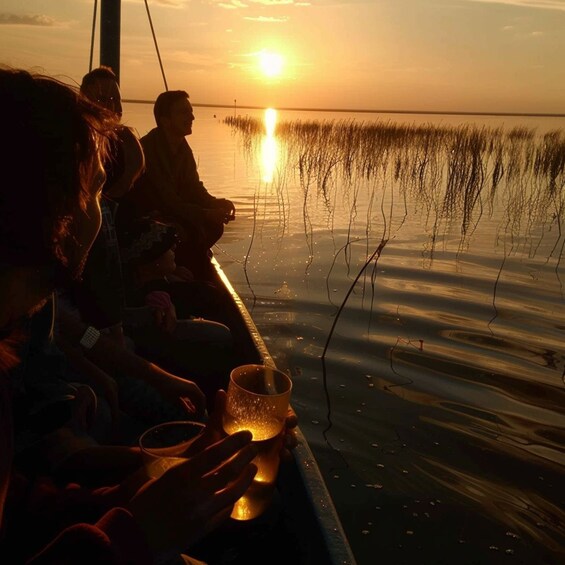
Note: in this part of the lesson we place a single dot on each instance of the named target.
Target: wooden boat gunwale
(324, 516)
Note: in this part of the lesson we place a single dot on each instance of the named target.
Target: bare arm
(114, 359)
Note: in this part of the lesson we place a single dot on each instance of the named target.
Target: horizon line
(364, 111)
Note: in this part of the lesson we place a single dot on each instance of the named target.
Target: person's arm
(166, 515)
(101, 382)
(116, 332)
(158, 186)
(52, 516)
(115, 539)
(189, 200)
(114, 359)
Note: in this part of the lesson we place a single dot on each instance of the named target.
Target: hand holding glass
(258, 400)
(165, 445)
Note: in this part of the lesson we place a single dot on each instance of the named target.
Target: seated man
(171, 189)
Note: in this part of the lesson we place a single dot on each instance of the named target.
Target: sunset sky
(427, 55)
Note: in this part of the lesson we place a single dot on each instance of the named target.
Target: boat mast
(110, 23)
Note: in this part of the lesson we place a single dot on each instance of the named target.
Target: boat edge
(315, 486)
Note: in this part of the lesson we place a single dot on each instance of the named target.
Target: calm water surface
(429, 380)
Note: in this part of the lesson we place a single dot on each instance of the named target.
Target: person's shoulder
(151, 134)
(153, 141)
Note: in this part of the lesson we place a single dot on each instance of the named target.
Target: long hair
(54, 139)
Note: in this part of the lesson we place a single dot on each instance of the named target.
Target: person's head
(101, 86)
(147, 249)
(52, 175)
(173, 112)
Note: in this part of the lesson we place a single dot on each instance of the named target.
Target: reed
(455, 173)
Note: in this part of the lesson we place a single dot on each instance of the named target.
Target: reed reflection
(440, 250)
(455, 173)
(269, 146)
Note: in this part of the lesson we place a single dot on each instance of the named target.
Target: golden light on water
(269, 146)
(270, 121)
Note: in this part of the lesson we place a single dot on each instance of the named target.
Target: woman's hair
(54, 140)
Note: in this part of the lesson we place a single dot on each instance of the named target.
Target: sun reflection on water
(269, 146)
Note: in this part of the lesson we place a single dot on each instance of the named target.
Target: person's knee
(200, 329)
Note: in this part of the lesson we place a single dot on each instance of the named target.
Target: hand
(290, 440)
(229, 217)
(176, 389)
(226, 204)
(217, 215)
(83, 408)
(228, 207)
(169, 320)
(215, 429)
(165, 319)
(164, 312)
(193, 498)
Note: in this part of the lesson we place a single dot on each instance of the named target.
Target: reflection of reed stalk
(249, 251)
(375, 255)
(455, 175)
(446, 169)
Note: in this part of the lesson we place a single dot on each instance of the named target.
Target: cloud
(28, 20)
(267, 19)
(234, 4)
(558, 5)
(171, 3)
(190, 61)
(272, 2)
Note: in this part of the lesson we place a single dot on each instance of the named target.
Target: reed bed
(456, 174)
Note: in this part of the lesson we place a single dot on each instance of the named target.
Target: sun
(270, 63)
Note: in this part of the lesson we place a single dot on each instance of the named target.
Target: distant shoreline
(353, 111)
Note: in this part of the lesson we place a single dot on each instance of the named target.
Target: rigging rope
(156, 46)
(92, 35)
(152, 33)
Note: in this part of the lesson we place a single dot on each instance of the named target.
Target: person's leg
(194, 250)
(201, 330)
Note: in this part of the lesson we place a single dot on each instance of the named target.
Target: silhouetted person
(99, 296)
(171, 189)
(49, 217)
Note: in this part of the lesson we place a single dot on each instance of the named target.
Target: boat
(303, 523)
(302, 526)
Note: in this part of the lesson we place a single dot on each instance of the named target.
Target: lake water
(425, 336)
